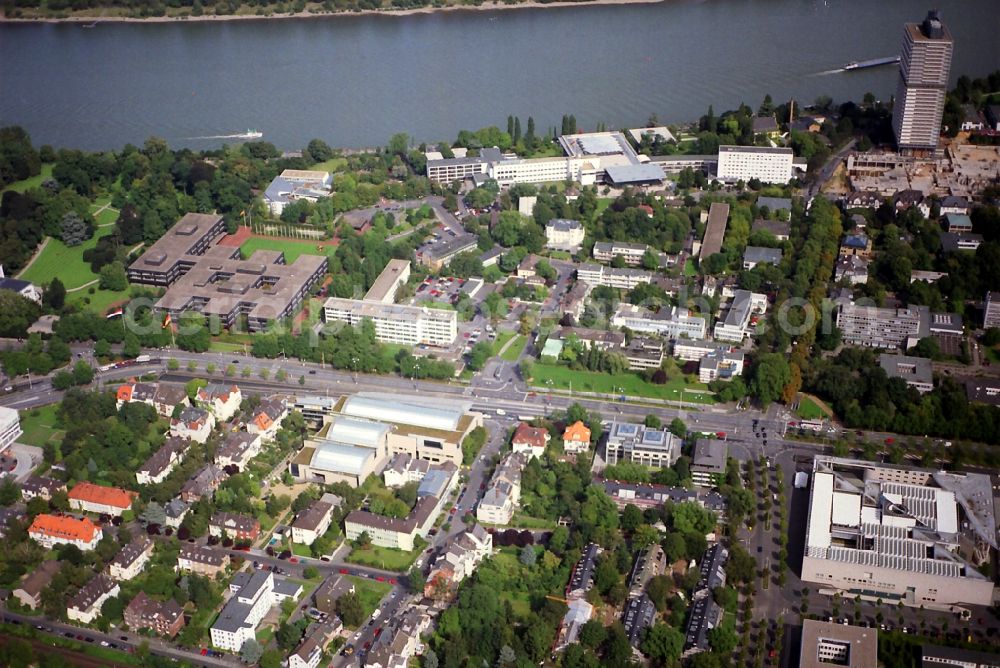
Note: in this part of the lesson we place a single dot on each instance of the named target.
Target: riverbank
(93, 19)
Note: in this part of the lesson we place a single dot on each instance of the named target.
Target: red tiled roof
(61, 526)
(535, 437)
(109, 496)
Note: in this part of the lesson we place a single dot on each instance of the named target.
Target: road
(824, 174)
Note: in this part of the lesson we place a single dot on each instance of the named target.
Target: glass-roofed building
(633, 442)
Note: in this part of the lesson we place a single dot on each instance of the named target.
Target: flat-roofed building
(85, 605)
(296, 184)
(692, 350)
(343, 450)
(708, 461)
(720, 365)
(923, 81)
(937, 656)
(715, 230)
(631, 253)
(677, 163)
(832, 644)
(385, 287)
(882, 327)
(737, 324)
(644, 352)
(983, 390)
(446, 170)
(613, 277)
(10, 427)
(239, 618)
(900, 534)
(436, 255)
(396, 323)
(915, 371)
(635, 443)
(670, 322)
(991, 310)
(764, 163)
(216, 281)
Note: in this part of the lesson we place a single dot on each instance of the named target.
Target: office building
(882, 327)
(632, 254)
(991, 310)
(238, 620)
(670, 322)
(216, 281)
(436, 254)
(632, 442)
(10, 427)
(923, 81)
(827, 644)
(764, 163)
(564, 234)
(85, 605)
(915, 371)
(720, 365)
(708, 461)
(740, 319)
(296, 184)
(899, 534)
(397, 323)
(388, 282)
(936, 656)
(612, 277)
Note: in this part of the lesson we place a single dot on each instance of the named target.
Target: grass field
(370, 592)
(383, 557)
(100, 301)
(39, 429)
(689, 268)
(809, 409)
(64, 261)
(106, 217)
(331, 165)
(502, 338)
(602, 204)
(32, 182)
(291, 249)
(627, 383)
(514, 349)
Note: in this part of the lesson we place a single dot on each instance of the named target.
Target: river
(355, 80)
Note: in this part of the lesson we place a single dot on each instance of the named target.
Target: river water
(355, 80)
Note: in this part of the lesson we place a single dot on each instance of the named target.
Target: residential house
(310, 650)
(906, 199)
(26, 289)
(203, 483)
(954, 243)
(577, 614)
(915, 371)
(131, 559)
(329, 592)
(576, 438)
(503, 491)
(852, 269)
(562, 234)
(458, 561)
(86, 605)
(135, 392)
(766, 126)
(268, 418)
(91, 498)
(954, 204)
(164, 618)
(581, 579)
(168, 397)
(159, 465)
(238, 448)
(175, 510)
(958, 222)
(404, 468)
(29, 593)
(193, 423)
(313, 522)
(862, 199)
(201, 560)
(648, 564)
(780, 230)
(241, 528)
(296, 184)
(858, 245)
(221, 399)
(638, 615)
(51, 530)
(530, 439)
(754, 255)
(41, 486)
(239, 618)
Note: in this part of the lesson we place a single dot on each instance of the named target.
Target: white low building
(396, 323)
(10, 427)
(737, 325)
(313, 522)
(670, 322)
(563, 234)
(720, 365)
(195, 424)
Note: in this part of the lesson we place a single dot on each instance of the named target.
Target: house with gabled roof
(193, 423)
(221, 399)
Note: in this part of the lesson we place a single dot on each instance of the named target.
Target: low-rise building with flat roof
(738, 323)
(436, 255)
(916, 371)
(827, 644)
(721, 364)
(780, 230)
(296, 184)
(631, 253)
(396, 323)
(613, 277)
(937, 656)
(387, 284)
(670, 322)
(638, 444)
(708, 461)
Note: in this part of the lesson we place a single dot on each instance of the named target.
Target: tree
(74, 230)
(653, 422)
(83, 373)
(270, 658)
(310, 572)
(689, 517)
(250, 652)
(593, 634)
(17, 313)
(723, 639)
(658, 588)
(678, 428)
(55, 294)
(663, 644)
(770, 375)
(350, 610)
(478, 356)
(17, 653)
(631, 518)
(10, 493)
(740, 567)
(114, 277)
(528, 555)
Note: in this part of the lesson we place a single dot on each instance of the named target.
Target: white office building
(742, 163)
(10, 427)
(670, 322)
(238, 620)
(396, 323)
(899, 534)
(737, 324)
(623, 278)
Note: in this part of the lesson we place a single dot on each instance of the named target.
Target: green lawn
(441, 306)
(629, 383)
(514, 349)
(809, 409)
(502, 338)
(331, 165)
(264, 635)
(39, 429)
(66, 262)
(602, 204)
(370, 592)
(106, 217)
(291, 249)
(524, 521)
(300, 550)
(33, 181)
(689, 268)
(100, 301)
(226, 347)
(383, 557)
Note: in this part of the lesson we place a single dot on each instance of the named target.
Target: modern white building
(385, 287)
(612, 277)
(396, 323)
(26, 289)
(632, 442)
(193, 423)
(767, 164)
(736, 326)
(720, 365)
(915, 371)
(923, 81)
(899, 534)
(670, 322)
(296, 184)
(239, 618)
(10, 427)
(882, 327)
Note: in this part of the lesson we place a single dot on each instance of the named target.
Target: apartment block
(85, 605)
(923, 81)
(767, 164)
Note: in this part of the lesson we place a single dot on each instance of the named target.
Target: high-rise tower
(923, 79)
